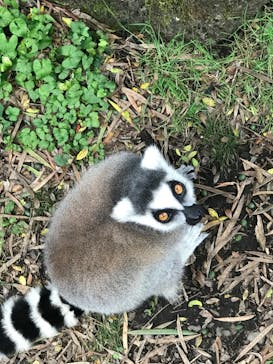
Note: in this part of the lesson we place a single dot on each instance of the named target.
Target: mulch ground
(226, 301)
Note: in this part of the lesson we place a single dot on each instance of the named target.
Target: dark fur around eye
(178, 189)
(167, 213)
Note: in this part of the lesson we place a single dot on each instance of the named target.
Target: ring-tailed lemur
(121, 235)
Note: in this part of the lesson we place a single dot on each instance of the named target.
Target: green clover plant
(57, 77)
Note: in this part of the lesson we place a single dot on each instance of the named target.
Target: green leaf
(6, 64)
(80, 28)
(102, 44)
(9, 207)
(68, 50)
(61, 159)
(5, 17)
(42, 68)
(18, 27)
(86, 62)
(194, 162)
(160, 332)
(8, 46)
(195, 303)
(28, 47)
(44, 92)
(43, 144)
(92, 121)
(71, 62)
(101, 93)
(11, 3)
(5, 90)
(12, 113)
(23, 65)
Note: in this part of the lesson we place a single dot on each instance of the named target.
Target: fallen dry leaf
(259, 232)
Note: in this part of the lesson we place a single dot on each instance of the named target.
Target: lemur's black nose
(193, 214)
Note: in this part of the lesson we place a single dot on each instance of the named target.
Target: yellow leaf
(177, 151)
(195, 303)
(115, 106)
(187, 148)
(145, 85)
(236, 132)
(42, 9)
(126, 116)
(61, 185)
(270, 170)
(44, 231)
(58, 348)
(253, 110)
(125, 113)
(22, 280)
(198, 341)
(182, 318)
(25, 101)
(269, 293)
(135, 89)
(223, 218)
(245, 294)
(36, 362)
(32, 111)
(229, 112)
(17, 268)
(213, 213)
(82, 129)
(192, 154)
(115, 70)
(67, 21)
(82, 154)
(208, 101)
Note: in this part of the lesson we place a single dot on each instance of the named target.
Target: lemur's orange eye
(163, 216)
(178, 189)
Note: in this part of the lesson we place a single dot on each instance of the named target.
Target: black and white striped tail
(41, 313)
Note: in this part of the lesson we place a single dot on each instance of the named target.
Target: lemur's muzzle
(193, 214)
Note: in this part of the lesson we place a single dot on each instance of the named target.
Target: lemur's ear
(153, 159)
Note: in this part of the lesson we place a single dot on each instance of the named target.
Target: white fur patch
(69, 318)
(3, 357)
(149, 221)
(123, 210)
(153, 159)
(21, 343)
(33, 298)
(163, 198)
